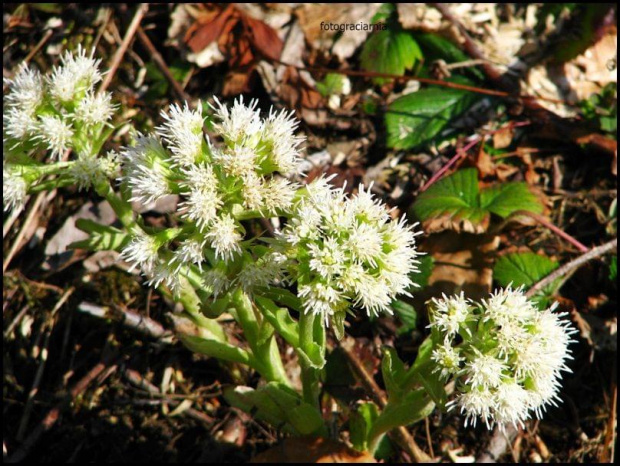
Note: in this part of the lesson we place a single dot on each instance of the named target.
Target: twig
(161, 64)
(118, 56)
(460, 153)
(403, 437)
(39, 45)
(16, 320)
(546, 223)
(8, 223)
(573, 265)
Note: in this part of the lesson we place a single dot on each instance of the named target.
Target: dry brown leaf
(263, 38)
(312, 450)
(463, 262)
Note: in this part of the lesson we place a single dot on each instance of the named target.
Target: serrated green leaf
(417, 118)
(280, 318)
(393, 371)
(391, 51)
(526, 269)
(455, 196)
(504, 199)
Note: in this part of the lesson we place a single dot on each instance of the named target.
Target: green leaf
(333, 83)
(360, 423)
(391, 51)
(613, 269)
(406, 314)
(281, 319)
(526, 269)
(102, 237)
(426, 266)
(455, 196)
(522, 269)
(416, 118)
(393, 371)
(504, 199)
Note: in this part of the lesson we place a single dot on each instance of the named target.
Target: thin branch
(161, 64)
(573, 265)
(120, 53)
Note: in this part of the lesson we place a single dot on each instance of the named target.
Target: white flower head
(145, 170)
(95, 108)
(77, 75)
(514, 356)
(14, 189)
(201, 206)
(448, 360)
(190, 251)
(56, 133)
(142, 252)
(26, 90)
(182, 131)
(18, 123)
(267, 270)
(224, 237)
(238, 160)
(320, 299)
(279, 135)
(239, 124)
(449, 315)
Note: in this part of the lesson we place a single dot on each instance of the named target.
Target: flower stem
(309, 374)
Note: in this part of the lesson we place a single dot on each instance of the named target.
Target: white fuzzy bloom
(18, 123)
(199, 178)
(485, 370)
(189, 251)
(448, 360)
(142, 253)
(26, 90)
(237, 161)
(84, 171)
(320, 299)
(145, 171)
(217, 281)
(95, 108)
(512, 357)
(201, 206)
(252, 191)
(240, 124)
(267, 270)
(448, 315)
(78, 74)
(350, 249)
(279, 135)
(224, 237)
(14, 189)
(56, 133)
(277, 194)
(508, 305)
(182, 131)
(161, 273)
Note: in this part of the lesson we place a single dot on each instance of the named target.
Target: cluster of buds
(241, 177)
(347, 250)
(58, 112)
(505, 355)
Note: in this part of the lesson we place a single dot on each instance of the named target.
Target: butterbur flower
(95, 109)
(76, 76)
(14, 189)
(347, 251)
(510, 355)
(56, 133)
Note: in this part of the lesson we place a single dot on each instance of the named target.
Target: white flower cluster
(56, 113)
(506, 355)
(242, 174)
(347, 250)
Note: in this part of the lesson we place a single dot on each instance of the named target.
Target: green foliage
(360, 423)
(435, 47)
(333, 83)
(392, 50)
(613, 269)
(278, 405)
(415, 119)
(101, 237)
(459, 197)
(407, 315)
(602, 109)
(526, 269)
